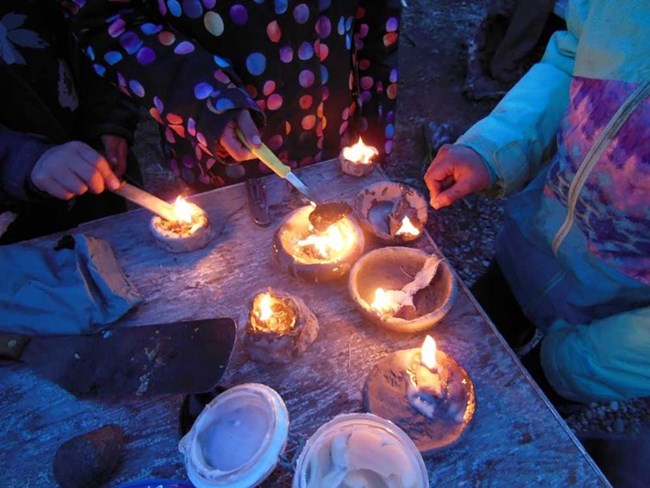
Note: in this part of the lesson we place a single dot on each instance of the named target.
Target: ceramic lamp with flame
(279, 327)
(402, 289)
(425, 392)
(392, 212)
(191, 230)
(357, 160)
(317, 256)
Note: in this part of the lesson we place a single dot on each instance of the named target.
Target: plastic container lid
(363, 446)
(237, 438)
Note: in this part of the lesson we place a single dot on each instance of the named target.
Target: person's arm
(608, 359)
(32, 168)
(108, 116)
(505, 149)
(19, 153)
(193, 93)
(376, 38)
(520, 133)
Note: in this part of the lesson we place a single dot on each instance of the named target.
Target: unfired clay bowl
(374, 205)
(391, 268)
(294, 227)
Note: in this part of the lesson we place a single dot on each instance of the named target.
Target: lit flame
(428, 354)
(360, 153)
(265, 312)
(408, 228)
(383, 302)
(184, 210)
(327, 244)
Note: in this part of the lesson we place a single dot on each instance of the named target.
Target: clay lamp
(317, 255)
(360, 449)
(279, 327)
(189, 230)
(402, 289)
(357, 160)
(425, 392)
(392, 212)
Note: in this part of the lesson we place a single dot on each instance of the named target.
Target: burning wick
(357, 160)
(424, 388)
(428, 354)
(185, 211)
(272, 315)
(188, 230)
(326, 244)
(387, 302)
(360, 153)
(407, 228)
(264, 313)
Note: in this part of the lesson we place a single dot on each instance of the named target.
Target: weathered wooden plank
(516, 438)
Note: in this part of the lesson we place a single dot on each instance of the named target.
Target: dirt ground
(432, 72)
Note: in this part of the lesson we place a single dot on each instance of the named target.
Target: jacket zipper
(593, 156)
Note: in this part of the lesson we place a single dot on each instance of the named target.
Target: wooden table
(516, 439)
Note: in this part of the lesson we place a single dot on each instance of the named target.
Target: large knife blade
(264, 154)
(181, 357)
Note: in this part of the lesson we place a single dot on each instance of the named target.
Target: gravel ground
(432, 70)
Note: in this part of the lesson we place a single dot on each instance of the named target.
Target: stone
(87, 460)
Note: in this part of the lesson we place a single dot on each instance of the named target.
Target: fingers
(439, 176)
(452, 194)
(248, 128)
(100, 175)
(231, 142)
(57, 191)
(73, 169)
(455, 172)
(115, 150)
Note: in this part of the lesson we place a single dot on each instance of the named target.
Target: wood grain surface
(516, 437)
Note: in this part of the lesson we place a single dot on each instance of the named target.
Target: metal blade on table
(181, 357)
(257, 201)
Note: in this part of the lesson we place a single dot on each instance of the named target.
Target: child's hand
(115, 149)
(231, 142)
(455, 172)
(73, 169)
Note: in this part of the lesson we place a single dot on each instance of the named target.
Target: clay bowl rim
(419, 324)
(316, 272)
(382, 236)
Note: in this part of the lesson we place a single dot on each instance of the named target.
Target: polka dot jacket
(317, 73)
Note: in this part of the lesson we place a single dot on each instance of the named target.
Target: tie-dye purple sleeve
(376, 34)
(190, 91)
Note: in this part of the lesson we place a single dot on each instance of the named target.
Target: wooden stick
(147, 200)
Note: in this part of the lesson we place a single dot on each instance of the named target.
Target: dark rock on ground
(87, 460)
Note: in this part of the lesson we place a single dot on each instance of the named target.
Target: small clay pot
(391, 268)
(281, 347)
(353, 168)
(180, 237)
(385, 395)
(382, 206)
(296, 227)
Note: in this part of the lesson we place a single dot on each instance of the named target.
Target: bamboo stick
(147, 200)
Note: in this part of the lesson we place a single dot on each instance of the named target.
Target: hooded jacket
(574, 133)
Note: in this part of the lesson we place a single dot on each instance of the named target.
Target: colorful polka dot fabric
(317, 73)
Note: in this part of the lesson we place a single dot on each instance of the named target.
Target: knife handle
(264, 154)
(12, 345)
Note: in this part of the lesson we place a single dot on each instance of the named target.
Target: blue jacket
(575, 248)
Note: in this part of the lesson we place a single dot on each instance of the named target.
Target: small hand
(73, 169)
(231, 142)
(115, 149)
(455, 172)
